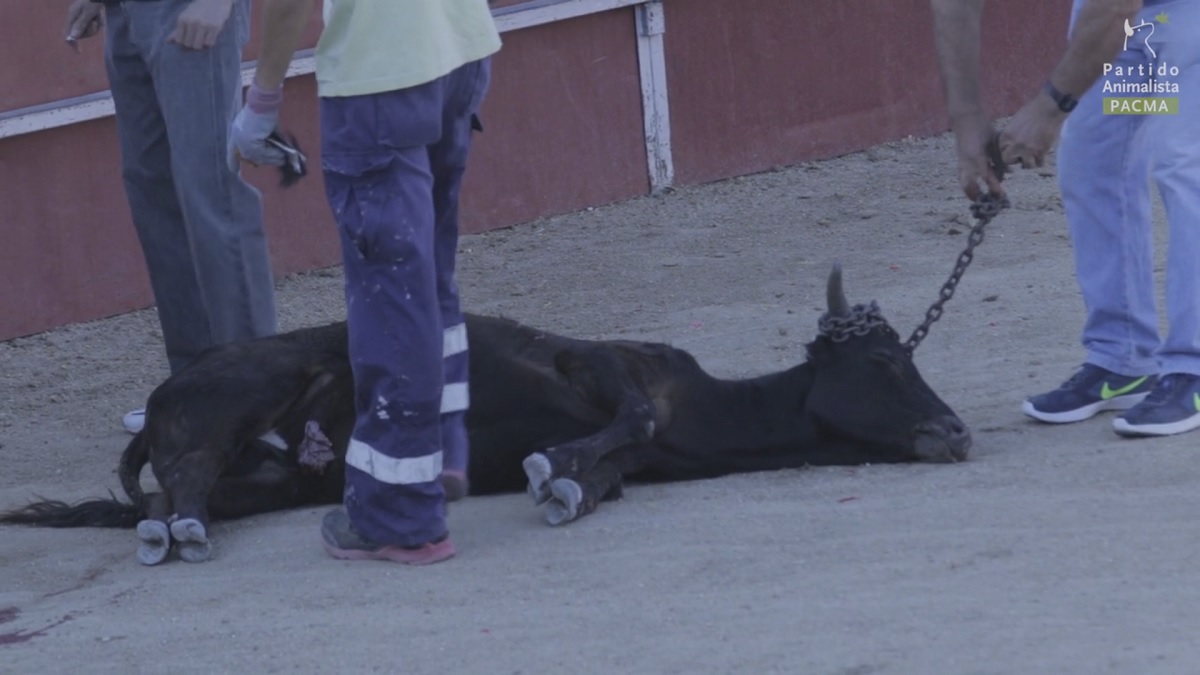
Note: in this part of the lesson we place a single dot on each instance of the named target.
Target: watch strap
(1065, 102)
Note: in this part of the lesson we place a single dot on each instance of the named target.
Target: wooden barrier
(592, 101)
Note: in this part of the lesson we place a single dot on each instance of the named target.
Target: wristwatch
(1066, 102)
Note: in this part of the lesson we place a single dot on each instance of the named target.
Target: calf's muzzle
(943, 439)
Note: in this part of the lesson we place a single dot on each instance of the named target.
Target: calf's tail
(110, 512)
(88, 513)
(129, 470)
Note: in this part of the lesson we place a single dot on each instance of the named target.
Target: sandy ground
(1054, 550)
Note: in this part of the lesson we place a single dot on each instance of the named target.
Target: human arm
(1096, 39)
(957, 28)
(282, 27)
(200, 23)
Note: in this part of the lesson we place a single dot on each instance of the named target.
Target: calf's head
(866, 390)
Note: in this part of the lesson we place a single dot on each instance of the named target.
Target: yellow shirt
(373, 46)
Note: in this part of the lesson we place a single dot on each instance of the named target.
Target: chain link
(860, 320)
(984, 209)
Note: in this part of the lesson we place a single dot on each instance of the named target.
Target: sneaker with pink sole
(344, 543)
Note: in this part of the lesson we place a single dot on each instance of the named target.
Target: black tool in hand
(295, 167)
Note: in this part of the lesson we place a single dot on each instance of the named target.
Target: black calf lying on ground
(567, 419)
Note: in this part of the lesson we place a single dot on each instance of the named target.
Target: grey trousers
(200, 225)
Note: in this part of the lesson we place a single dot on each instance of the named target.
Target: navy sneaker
(1173, 407)
(343, 542)
(1089, 391)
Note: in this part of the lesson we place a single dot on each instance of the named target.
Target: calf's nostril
(954, 426)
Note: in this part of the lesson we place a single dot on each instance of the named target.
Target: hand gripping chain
(984, 209)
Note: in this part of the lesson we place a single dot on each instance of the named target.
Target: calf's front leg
(601, 376)
(573, 498)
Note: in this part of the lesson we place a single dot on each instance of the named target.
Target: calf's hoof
(538, 470)
(564, 506)
(539, 496)
(156, 542)
(193, 541)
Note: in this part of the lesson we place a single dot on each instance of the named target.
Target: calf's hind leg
(263, 485)
(153, 532)
(188, 480)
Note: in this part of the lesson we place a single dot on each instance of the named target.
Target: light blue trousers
(1105, 164)
(199, 223)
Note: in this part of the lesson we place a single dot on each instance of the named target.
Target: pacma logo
(1131, 30)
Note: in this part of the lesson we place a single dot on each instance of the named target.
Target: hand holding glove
(257, 119)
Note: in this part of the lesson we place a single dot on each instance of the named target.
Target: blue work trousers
(393, 165)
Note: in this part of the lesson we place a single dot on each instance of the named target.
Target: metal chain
(984, 209)
(860, 320)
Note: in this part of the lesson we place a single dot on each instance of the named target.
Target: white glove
(253, 124)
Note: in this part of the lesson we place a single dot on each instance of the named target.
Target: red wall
(753, 84)
(49, 70)
(763, 83)
(70, 252)
(562, 124)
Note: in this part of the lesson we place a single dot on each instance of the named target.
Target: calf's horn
(834, 295)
